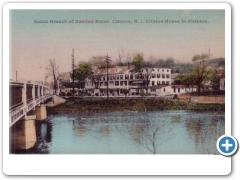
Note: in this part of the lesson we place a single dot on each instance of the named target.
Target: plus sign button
(227, 145)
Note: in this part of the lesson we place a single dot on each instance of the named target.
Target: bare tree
(52, 71)
(155, 135)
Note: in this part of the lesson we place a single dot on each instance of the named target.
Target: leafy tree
(142, 93)
(125, 92)
(98, 61)
(186, 79)
(143, 69)
(200, 58)
(199, 74)
(169, 63)
(83, 71)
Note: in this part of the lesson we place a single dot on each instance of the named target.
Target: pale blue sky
(33, 44)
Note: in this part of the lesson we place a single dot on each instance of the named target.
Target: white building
(121, 78)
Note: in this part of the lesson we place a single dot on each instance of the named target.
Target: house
(183, 89)
(120, 78)
(222, 84)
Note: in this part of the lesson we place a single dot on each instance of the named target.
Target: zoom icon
(227, 145)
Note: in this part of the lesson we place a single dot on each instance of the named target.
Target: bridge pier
(25, 107)
(41, 112)
(23, 133)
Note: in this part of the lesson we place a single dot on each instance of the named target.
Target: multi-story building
(121, 78)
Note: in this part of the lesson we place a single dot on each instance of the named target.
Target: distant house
(222, 84)
(182, 89)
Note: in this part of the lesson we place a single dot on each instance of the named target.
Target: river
(129, 132)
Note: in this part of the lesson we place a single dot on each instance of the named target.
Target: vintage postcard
(117, 82)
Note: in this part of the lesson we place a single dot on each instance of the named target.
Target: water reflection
(44, 137)
(205, 130)
(130, 132)
(79, 127)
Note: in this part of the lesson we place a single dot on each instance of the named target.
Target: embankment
(135, 104)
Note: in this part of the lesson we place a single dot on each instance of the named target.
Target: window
(163, 75)
(162, 70)
(163, 82)
(167, 70)
(174, 89)
(136, 76)
(153, 83)
(158, 83)
(121, 83)
(167, 75)
(167, 82)
(153, 75)
(163, 89)
(178, 89)
(131, 76)
(117, 76)
(121, 76)
(116, 83)
(158, 75)
(126, 76)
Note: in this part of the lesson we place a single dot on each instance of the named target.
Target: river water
(130, 132)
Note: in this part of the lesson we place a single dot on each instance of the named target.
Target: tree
(83, 71)
(215, 80)
(52, 71)
(152, 135)
(64, 77)
(200, 58)
(143, 69)
(98, 61)
(199, 74)
(169, 63)
(186, 79)
(125, 92)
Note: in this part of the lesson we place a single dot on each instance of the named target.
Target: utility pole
(16, 75)
(107, 60)
(73, 71)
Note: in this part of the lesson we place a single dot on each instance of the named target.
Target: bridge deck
(24, 96)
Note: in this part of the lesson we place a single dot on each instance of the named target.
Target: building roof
(114, 70)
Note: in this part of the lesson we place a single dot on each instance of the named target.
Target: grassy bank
(138, 104)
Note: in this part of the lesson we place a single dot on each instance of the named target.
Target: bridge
(25, 106)
(24, 96)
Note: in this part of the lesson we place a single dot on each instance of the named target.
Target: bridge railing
(17, 111)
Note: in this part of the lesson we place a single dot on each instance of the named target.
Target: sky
(33, 44)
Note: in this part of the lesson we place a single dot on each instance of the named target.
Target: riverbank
(134, 104)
